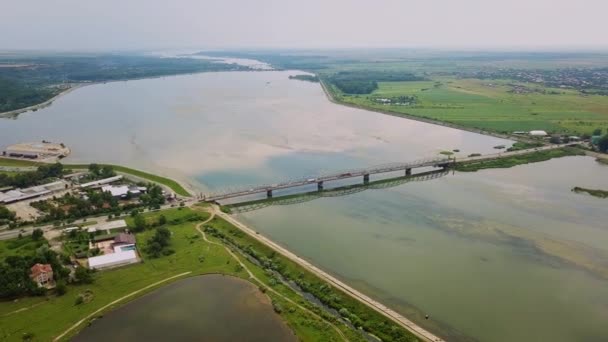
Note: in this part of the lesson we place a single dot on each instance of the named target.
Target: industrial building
(17, 195)
(100, 182)
(124, 257)
(122, 191)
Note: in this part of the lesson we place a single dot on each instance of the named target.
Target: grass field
(48, 317)
(488, 105)
(17, 162)
(23, 246)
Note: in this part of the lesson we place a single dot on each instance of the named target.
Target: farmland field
(491, 104)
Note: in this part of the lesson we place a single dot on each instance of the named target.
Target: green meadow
(490, 105)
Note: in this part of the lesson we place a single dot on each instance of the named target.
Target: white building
(101, 182)
(16, 195)
(116, 191)
(124, 257)
(538, 133)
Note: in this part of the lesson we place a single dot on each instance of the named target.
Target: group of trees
(31, 178)
(15, 271)
(159, 243)
(366, 81)
(154, 197)
(602, 144)
(6, 215)
(309, 78)
(105, 171)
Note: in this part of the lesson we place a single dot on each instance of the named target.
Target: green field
(48, 317)
(17, 162)
(488, 105)
(23, 246)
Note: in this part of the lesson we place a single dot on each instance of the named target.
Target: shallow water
(497, 255)
(205, 308)
(193, 125)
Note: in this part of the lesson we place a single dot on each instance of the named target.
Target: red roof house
(42, 274)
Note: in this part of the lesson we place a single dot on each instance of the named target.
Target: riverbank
(15, 112)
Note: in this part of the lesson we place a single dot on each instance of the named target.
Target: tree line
(366, 81)
(32, 178)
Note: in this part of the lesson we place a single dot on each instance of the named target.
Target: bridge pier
(320, 186)
(366, 178)
(408, 172)
(269, 193)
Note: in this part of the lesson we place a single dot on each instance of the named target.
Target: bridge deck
(433, 162)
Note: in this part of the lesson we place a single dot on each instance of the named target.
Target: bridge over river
(440, 162)
(443, 162)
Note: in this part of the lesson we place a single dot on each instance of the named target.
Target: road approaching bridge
(440, 162)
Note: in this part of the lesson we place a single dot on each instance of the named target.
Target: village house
(42, 275)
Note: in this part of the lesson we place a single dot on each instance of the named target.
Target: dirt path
(116, 302)
(379, 307)
(23, 309)
(257, 280)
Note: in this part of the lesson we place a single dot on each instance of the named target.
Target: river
(497, 255)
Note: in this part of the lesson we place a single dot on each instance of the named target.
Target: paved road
(6, 233)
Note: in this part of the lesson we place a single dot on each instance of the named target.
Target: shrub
(61, 288)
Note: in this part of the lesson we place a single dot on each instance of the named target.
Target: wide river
(497, 255)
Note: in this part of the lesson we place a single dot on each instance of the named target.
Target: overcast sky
(153, 24)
